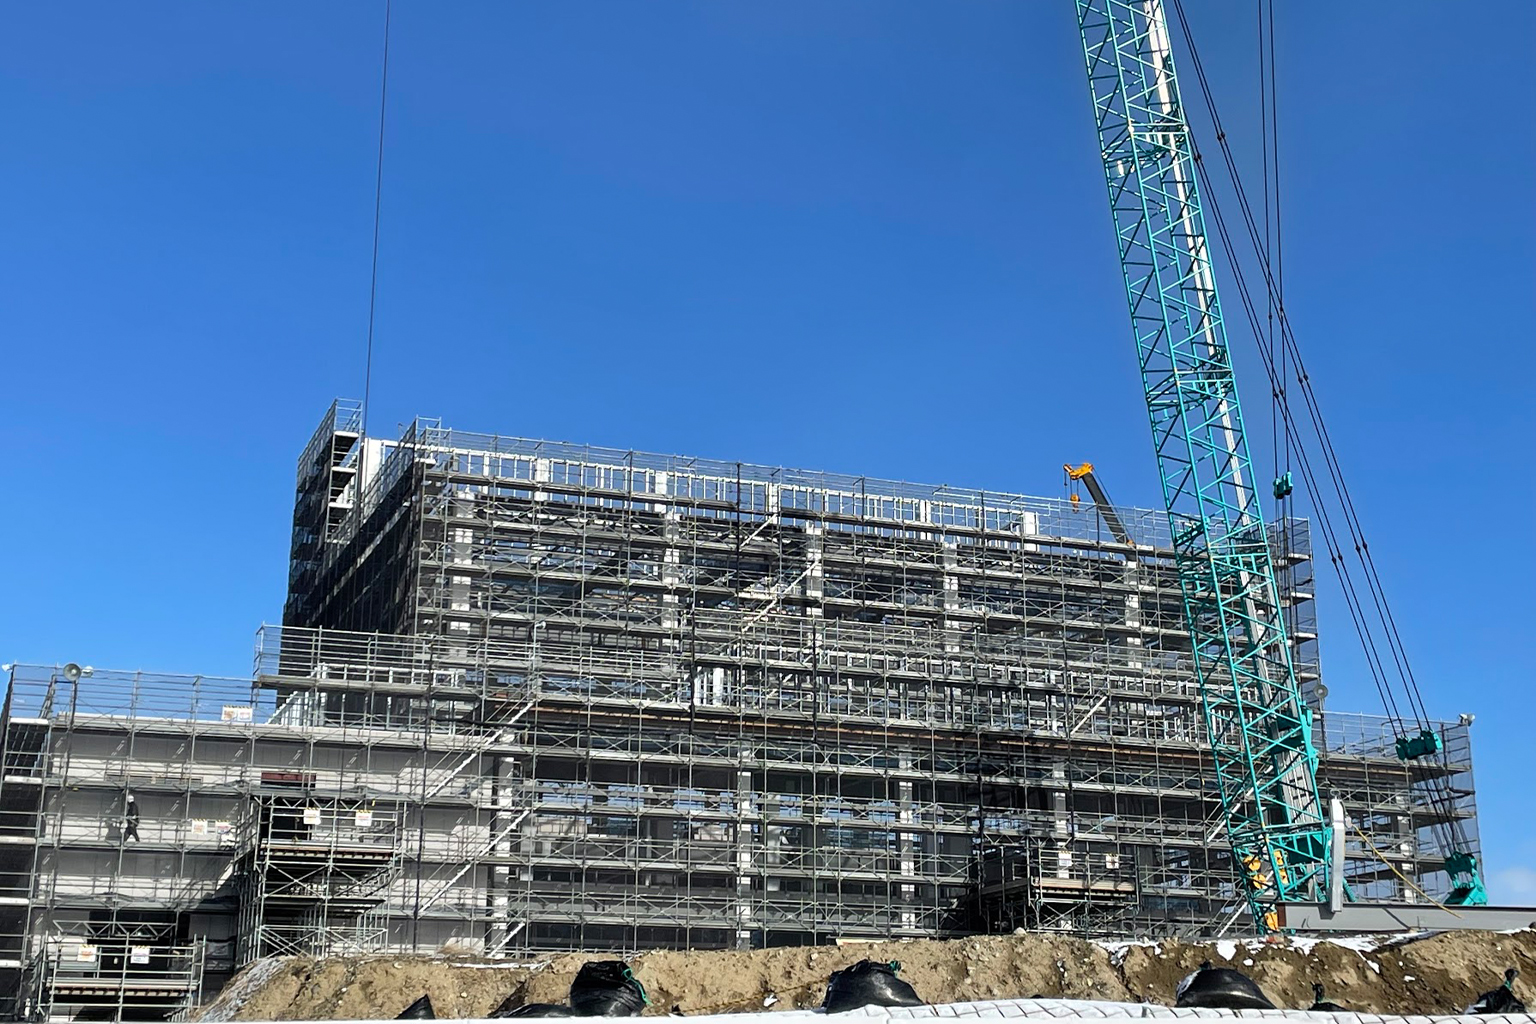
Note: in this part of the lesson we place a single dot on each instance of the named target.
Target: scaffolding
(314, 869)
(445, 796)
(534, 696)
(102, 906)
(120, 973)
(887, 708)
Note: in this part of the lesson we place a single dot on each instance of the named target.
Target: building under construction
(534, 696)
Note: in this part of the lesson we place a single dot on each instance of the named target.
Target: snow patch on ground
(1117, 950)
(1228, 948)
(1361, 944)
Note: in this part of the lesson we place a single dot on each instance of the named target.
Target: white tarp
(1068, 1009)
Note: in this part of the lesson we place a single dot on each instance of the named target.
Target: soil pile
(1437, 974)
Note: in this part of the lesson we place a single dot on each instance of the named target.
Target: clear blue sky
(862, 236)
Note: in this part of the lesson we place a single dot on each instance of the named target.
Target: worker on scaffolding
(130, 820)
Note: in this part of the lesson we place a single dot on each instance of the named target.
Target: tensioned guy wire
(378, 198)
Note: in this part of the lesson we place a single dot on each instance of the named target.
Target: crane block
(1425, 744)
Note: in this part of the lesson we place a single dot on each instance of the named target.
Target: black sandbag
(1322, 1005)
(421, 1009)
(1220, 988)
(607, 988)
(510, 1007)
(1501, 999)
(868, 983)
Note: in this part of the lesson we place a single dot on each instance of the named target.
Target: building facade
(537, 696)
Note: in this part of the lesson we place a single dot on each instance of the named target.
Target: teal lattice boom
(1260, 731)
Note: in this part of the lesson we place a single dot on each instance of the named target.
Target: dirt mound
(1438, 974)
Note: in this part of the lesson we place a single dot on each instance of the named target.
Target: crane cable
(1341, 565)
(378, 202)
(1450, 828)
(1330, 537)
(1288, 348)
(1268, 132)
(1409, 882)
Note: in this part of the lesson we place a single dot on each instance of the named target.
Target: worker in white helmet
(131, 820)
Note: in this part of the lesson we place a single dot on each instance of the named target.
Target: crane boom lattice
(1260, 730)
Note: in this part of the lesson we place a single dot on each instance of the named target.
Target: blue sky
(862, 236)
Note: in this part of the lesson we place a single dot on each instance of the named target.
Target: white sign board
(138, 954)
(364, 819)
(311, 815)
(236, 713)
(85, 954)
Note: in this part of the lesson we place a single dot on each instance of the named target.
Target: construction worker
(131, 820)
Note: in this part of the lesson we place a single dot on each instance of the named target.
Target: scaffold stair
(505, 941)
(483, 743)
(500, 836)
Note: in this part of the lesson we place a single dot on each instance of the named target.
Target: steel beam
(1397, 917)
